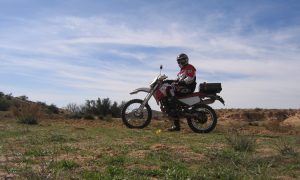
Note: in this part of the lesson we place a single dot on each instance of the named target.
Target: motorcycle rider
(185, 84)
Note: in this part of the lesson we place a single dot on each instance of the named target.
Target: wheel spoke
(134, 117)
(204, 121)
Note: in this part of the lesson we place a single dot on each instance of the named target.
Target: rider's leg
(172, 109)
(171, 102)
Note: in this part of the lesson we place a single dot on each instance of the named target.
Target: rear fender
(219, 98)
(209, 99)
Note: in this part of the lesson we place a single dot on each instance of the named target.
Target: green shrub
(53, 109)
(92, 175)
(286, 149)
(28, 120)
(4, 104)
(58, 138)
(64, 165)
(114, 172)
(177, 172)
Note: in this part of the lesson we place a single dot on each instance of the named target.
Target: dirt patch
(138, 153)
(2, 159)
(5, 175)
(6, 159)
(158, 147)
(128, 141)
(292, 121)
(179, 149)
(216, 146)
(186, 154)
(256, 114)
(191, 157)
(2, 127)
(266, 152)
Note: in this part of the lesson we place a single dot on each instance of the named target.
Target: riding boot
(176, 126)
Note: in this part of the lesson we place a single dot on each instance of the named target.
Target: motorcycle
(201, 118)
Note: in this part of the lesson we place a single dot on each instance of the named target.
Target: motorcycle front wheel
(204, 120)
(134, 117)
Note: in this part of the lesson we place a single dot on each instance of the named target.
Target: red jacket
(187, 74)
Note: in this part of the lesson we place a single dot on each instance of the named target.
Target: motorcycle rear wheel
(133, 118)
(206, 120)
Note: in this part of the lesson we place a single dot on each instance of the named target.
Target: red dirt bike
(201, 118)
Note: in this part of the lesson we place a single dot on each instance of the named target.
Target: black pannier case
(210, 88)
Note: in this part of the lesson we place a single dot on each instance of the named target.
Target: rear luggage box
(210, 88)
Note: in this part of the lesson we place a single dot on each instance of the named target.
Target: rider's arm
(188, 80)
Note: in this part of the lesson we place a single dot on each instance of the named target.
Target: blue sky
(69, 51)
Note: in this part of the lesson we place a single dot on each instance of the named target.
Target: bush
(4, 104)
(23, 98)
(89, 117)
(27, 113)
(240, 142)
(53, 109)
(286, 149)
(108, 117)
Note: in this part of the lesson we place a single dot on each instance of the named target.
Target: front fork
(147, 98)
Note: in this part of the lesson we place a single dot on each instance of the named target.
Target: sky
(62, 52)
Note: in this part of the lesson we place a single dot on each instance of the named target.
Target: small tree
(115, 110)
(106, 103)
(122, 105)
(4, 104)
(99, 107)
(75, 110)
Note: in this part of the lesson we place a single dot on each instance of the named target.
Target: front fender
(147, 90)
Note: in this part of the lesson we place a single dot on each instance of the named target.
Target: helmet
(182, 60)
